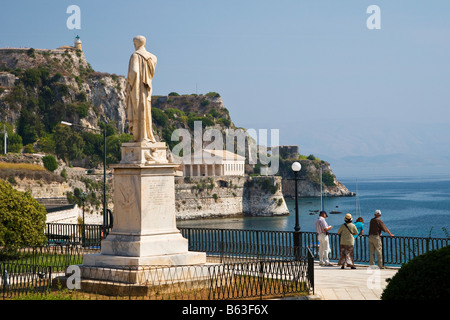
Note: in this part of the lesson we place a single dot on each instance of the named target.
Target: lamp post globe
(296, 166)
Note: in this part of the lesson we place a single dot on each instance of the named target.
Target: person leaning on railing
(375, 229)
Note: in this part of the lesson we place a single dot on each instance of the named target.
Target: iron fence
(86, 235)
(40, 271)
(212, 281)
(228, 243)
(396, 250)
(259, 244)
(31, 269)
(249, 263)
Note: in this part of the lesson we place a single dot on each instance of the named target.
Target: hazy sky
(368, 101)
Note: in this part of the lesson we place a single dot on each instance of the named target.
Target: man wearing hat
(322, 229)
(376, 226)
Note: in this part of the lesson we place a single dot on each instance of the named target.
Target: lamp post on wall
(296, 166)
(69, 124)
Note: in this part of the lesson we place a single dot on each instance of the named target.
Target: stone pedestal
(144, 231)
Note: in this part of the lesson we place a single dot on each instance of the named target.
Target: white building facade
(215, 163)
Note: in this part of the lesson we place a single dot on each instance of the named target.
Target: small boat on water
(335, 212)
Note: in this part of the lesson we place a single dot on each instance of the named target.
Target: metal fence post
(221, 244)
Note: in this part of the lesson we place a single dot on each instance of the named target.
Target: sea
(410, 207)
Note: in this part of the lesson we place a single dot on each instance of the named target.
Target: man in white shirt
(322, 229)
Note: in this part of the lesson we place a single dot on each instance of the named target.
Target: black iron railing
(31, 269)
(87, 235)
(228, 243)
(259, 244)
(35, 271)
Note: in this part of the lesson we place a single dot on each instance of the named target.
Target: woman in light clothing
(347, 231)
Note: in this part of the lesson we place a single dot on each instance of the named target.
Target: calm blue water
(409, 207)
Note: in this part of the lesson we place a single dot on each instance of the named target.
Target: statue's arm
(133, 70)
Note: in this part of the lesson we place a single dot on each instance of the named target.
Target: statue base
(145, 153)
(144, 231)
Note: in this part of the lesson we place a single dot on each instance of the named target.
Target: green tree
(93, 146)
(22, 218)
(29, 125)
(113, 147)
(68, 143)
(13, 142)
(46, 143)
(50, 163)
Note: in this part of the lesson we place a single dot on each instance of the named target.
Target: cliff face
(309, 182)
(69, 79)
(209, 197)
(263, 196)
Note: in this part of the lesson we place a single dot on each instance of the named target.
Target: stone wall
(200, 197)
(208, 197)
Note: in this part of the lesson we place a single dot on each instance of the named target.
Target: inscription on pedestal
(159, 191)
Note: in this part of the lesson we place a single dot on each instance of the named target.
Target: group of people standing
(348, 232)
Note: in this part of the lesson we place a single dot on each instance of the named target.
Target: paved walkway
(362, 283)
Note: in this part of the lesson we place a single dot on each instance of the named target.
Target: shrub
(423, 277)
(50, 163)
(212, 95)
(28, 148)
(171, 112)
(159, 117)
(206, 122)
(64, 174)
(22, 218)
(328, 179)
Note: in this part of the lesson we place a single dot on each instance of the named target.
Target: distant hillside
(39, 88)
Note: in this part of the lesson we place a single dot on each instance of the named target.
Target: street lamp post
(296, 166)
(105, 208)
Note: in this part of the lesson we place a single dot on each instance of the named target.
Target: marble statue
(141, 70)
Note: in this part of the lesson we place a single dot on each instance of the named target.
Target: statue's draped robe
(141, 70)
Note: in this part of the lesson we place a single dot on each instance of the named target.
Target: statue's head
(139, 41)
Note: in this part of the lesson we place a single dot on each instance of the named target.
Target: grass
(21, 166)
(11, 171)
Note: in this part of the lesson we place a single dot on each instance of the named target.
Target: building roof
(219, 155)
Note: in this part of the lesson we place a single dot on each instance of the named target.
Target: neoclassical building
(215, 163)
